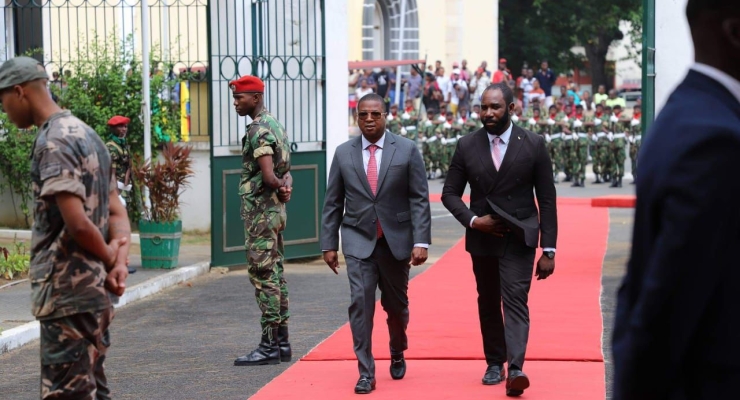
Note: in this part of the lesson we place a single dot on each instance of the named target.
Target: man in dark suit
(377, 195)
(504, 165)
(678, 311)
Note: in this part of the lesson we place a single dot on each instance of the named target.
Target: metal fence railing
(285, 47)
(71, 35)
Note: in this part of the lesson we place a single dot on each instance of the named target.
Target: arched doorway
(381, 28)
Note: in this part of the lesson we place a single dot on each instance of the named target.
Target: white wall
(195, 210)
(628, 72)
(674, 50)
(337, 45)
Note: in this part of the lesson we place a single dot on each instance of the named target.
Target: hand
(115, 282)
(284, 193)
(332, 260)
(418, 256)
(113, 248)
(545, 267)
(492, 224)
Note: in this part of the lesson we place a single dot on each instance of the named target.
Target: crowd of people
(577, 126)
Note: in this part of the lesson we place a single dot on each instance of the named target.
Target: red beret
(247, 83)
(118, 120)
(503, 60)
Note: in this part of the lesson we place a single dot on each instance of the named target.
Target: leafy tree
(15, 166)
(537, 29)
(527, 36)
(105, 80)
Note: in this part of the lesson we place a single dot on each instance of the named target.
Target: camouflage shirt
(67, 157)
(121, 159)
(265, 136)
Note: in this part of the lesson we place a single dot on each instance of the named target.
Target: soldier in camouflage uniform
(535, 123)
(80, 233)
(635, 140)
(431, 143)
(581, 141)
(568, 147)
(393, 120)
(619, 127)
(120, 155)
(410, 122)
(518, 118)
(264, 189)
(447, 133)
(554, 139)
(474, 122)
(601, 145)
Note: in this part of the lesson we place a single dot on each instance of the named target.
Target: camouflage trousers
(578, 160)
(633, 159)
(73, 350)
(604, 159)
(264, 243)
(618, 157)
(555, 149)
(566, 157)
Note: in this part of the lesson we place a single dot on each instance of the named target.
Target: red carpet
(433, 380)
(565, 326)
(617, 201)
(565, 310)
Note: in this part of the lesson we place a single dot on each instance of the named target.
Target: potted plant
(160, 227)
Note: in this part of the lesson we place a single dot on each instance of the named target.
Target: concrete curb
(21, 335)
(18, 336)
(24, 234)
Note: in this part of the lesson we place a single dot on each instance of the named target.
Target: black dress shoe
(398, 367)
(516, 383)
(131, 270)
(494, 375)
(365, 385)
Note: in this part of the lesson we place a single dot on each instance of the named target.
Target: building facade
(444, 30)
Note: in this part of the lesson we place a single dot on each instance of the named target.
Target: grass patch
(14, 261)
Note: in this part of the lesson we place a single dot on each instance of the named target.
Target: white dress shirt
(378, 156)
(503, 145)
(732, 84)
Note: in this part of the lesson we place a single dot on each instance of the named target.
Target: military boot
(615, 182)
(619, 180)
(268, 351)
(598, 180)
(576, 182)
(286, 353)
(568, 178)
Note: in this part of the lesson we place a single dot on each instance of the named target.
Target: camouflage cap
(21, 70)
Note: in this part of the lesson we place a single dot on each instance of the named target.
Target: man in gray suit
(377, 195)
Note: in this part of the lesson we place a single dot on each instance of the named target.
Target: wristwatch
(549, 254)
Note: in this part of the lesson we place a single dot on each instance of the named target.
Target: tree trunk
(596, 54)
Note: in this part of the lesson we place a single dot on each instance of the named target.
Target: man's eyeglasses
(373, 115)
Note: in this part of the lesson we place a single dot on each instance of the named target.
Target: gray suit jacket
(401, 203)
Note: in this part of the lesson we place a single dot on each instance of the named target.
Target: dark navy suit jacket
(677, 330)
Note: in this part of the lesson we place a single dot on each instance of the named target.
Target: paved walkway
(15, 301)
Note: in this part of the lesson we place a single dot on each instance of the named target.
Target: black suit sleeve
(546, 196)
(331, 218)
(693, 252)
(454, 187)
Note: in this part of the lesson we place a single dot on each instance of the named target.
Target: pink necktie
(496, 152)
(372, 179)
